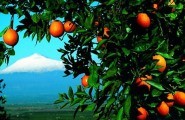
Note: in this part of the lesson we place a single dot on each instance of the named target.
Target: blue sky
(27, 47)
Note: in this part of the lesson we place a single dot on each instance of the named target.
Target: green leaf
(142, 47)
(110, 2)
(127, 106)
(169, 73)
(110, 102)
(75, 101)
(172, 16)
(75, 112)
(124, 12)
(93, 78)
(155, 84)
(65, 104)
(81, 93)
(120, 114)
(126, 51)
(103, 41)
(165, 55)
(87, 41)
(11, 52)
(128, 29)
(58, 101)
(70, 93)
(153, 105)
(107, 84)
(3, 10)
(110, 73)
(179, 108)
(89, 21)
(126, 89)
(90, 107)
(3, 32)
(64, 95)
(19, 12)
(156, 93)
(179, 6)
(81, 31)
(35, 18)
(48, 37)
(111, 55)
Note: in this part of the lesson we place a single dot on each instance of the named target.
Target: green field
(45, 112)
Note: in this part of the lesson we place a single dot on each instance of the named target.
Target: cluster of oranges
(105, 34)
(161, 63)
(143, 20)
(163, 108)
(57, 28)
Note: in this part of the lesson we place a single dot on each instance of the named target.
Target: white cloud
(34, 63)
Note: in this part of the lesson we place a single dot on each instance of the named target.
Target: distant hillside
(36, 87)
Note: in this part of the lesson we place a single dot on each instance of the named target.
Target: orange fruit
(96, 23)
(142, 114)
(56, 28)
(143, 20)
(172, 2)
(69, 26)
(179, 98)
(163, 109)
(155, 6)
(11, 37)
(140, 81)
(161, 62)
(106, 31)
(99, 39)
(84, 80)
(170, 100)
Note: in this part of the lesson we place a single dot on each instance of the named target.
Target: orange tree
(139, 54)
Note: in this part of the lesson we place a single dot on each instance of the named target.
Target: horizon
(37, 87)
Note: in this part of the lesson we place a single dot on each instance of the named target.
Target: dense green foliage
(112, 93)
(3, 114)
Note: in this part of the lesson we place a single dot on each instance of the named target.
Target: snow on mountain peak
(34, 63)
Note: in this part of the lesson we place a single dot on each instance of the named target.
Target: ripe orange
(106, 31)
(140, 81)
(69, 26)
(142, 114)
(143, 20)
(170, 100)
(155, 6)
(84, 80)
(56, 28)
(172, 2)
(99, 39)
(161, 62)
(179, 98)
(11, 37)
(163, 109)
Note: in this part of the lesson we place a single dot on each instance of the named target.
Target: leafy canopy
(127, 55)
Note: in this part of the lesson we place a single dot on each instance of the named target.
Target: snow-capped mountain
(34, 63)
